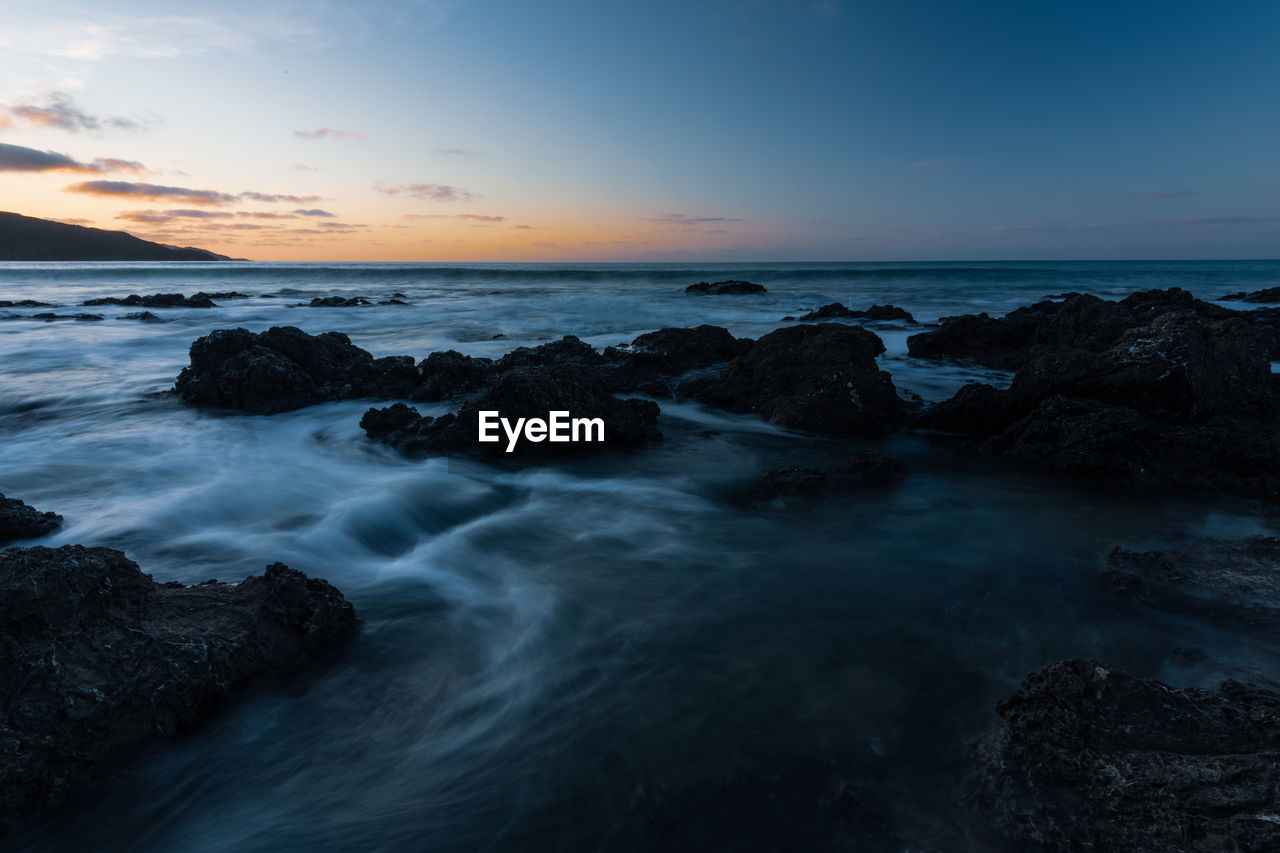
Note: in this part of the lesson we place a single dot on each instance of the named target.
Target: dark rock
(144, 316)
(25, 303)
(449, 374)
(90, 318)
(822, 378)
(836, 311)
(49, 316)
(99, 658)
(866, 470)
(19, 521)
(1239, 578)
(285, 368)
(1089, 758)
(521, 392)
(653, 356)
(569, 353)
(338, 302)
(155, 300)
(392, 302)
(1271, 294)
(722, 288)
(221, 294)
(397, 296)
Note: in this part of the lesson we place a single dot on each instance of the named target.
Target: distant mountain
(25, 238)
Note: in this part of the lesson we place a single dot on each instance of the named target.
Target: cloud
(426, 192)
(472, 217)
(62, 113)
(932, 163)
(269, 198)
(1158, 195)
(457, 152)
(263, 214)
(523, 227)
(125, 189)
(156, 216)
(315, 211)
(19, 158)
(681, 220)
(328, 133)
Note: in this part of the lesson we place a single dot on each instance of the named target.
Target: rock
(656, 356)
(25, 303)
(822, 378)
(90, 318)
(156, 300)
(99, 658)
(285, 368)
(449, 374)
(521, 392)
(392, 302)
(144, 316)
(1271, 294)
(338, 302)
(19, 521)
(1239, 578)
(864, 471)
(569, 353)
(1088, 758)
(221, 294)
(733, 287)
(836, 311)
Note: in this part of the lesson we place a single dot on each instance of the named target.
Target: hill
(25, 238)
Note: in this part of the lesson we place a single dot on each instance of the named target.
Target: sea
(595, 655)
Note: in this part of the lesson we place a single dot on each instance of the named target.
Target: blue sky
(752, 130)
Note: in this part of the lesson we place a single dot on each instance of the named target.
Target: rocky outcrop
(730, 287)
(652, 358)
(1271, 294)
(285, 368)
(19, 521)
(822, 378)
(24, 303)
(338, 302)
(449, 374)
(98, 657)
(521, 392)
(1238, 578)
(867, 470)
(1182, 400)
(837, 311)
(156, 300)
(49, 316)
(1088, 758)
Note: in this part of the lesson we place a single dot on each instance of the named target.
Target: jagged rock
(156, 300)
(1271, 294)
(866, 470)
(285, 368)
(25, 303)
(836, 311)
(448, 374)
(221, 294)
(144, 316)
(1088, 758)
(652, 357)
(521, 392)
(19, 521)
(822, 378)
(98, 658)
(1240, 578)
(338, 302)
(733, 287)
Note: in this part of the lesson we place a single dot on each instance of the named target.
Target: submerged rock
(864, 471)
(25, 303)
(1240, 578)
(338, 302)
(156, 300)
(836, 311)
(732, 287)
(221, 294)
(1088, 758)
(19, 521)
(1271, 294)
(99, 658)
(144, 316)
(822, 378)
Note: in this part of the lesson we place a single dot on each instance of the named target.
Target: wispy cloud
(272, 198)
(683, 220)
(465, 217)
(932, 163)
(328, 133)
(19, 158)
(60, 111)
(1160, 194)
(156, 192)
(426, 192)
(314, 211)
(157, 216)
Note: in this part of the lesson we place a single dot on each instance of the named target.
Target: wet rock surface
(837, 311)
(655, 357)
(1088, 758)
(99, 658)
(729, 287)
(19, 521)
(822, 378)
(1239, 579)
(156, 300)
(1271, 294)
(338, 302)
(24, 303)
(866, 470)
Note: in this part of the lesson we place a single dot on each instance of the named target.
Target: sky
(702, 130)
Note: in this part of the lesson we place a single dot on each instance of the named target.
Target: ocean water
(599, 655)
